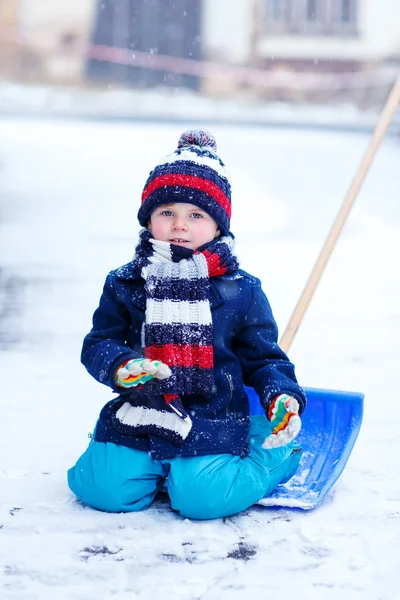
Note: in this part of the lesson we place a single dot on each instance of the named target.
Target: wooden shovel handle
(313, 280)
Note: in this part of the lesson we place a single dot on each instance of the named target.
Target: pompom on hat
(193, 173)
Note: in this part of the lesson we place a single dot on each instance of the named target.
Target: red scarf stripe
(215, 267)
(204, 185)
(170, 397)
(182, 356)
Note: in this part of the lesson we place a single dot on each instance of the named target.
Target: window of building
(345, 11)
(311, 17)
(278, 14)
(311, 10)
(277, 10)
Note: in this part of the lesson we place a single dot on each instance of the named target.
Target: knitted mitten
(284, 416)
(140, 370)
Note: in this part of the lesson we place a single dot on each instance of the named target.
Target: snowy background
(69, 194)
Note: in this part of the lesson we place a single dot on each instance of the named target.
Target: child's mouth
(178, 241)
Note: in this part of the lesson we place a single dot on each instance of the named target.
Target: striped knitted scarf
(178, 326)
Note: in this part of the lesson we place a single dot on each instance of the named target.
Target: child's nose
(179, 223)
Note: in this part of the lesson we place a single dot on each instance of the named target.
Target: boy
(178, 333)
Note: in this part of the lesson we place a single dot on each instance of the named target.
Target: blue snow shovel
(330, 425)
(332, 419)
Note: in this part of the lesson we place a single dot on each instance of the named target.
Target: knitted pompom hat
(194, 174)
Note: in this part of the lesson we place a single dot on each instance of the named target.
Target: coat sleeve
(105, 346)
(265, 366)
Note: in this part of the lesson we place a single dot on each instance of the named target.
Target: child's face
(183, 225)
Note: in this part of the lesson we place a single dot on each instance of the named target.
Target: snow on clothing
(177, 331)
(116, 478)
(245, 349)
(216, 466)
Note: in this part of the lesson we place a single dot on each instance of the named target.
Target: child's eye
(167, 213)
(196, 215)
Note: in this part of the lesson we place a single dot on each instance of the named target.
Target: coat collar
(126, 273)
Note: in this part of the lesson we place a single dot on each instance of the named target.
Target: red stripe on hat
(182, 356)
(191, 181)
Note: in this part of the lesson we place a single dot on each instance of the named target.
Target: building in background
(9, 48)
(300, 37)
(332, 34)
(42, 40)
(343, 44)
(171, 28)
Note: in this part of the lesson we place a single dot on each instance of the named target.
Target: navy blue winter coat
(246, 352)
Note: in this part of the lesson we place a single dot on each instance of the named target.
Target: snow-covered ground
(176, 104)
(69, 193)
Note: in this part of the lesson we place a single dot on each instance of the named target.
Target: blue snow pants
(120, 479)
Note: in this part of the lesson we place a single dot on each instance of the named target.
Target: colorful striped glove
(140, 370)
(286, 423)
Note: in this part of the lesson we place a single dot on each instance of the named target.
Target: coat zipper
(231, 388)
